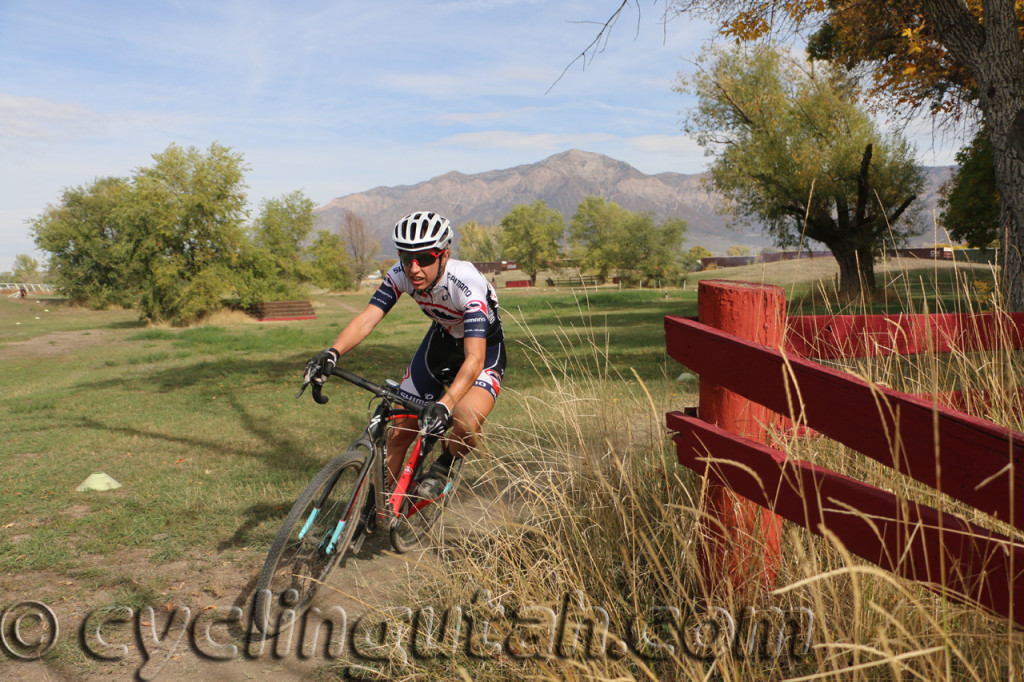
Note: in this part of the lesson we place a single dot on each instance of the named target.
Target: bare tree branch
(597, 44)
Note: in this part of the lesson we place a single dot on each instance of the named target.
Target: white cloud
(37, 120)
(329, 97)
(668, 144)
(472, 118)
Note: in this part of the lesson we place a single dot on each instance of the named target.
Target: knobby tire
(302, 564)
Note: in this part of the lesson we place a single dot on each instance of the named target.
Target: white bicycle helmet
(421, 231)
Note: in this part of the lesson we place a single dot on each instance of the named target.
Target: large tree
(187, 214)
(26, 269)
(479, 243)
(955, 55)
(89, 242)
(969, 201)
(530, 235)
(607, 238)
(793, 150)
(330, 262)
(282, 228)
(958, 58)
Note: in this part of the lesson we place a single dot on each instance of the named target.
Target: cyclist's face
(422, 267)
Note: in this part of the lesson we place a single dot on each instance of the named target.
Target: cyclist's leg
(478, 402)
(402, 435)
(419, 382)
(469, 416)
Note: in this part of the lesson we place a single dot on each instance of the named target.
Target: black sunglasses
(421, 258)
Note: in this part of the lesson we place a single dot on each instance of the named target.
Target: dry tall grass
(593, 519)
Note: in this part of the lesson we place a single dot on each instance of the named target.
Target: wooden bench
(271, 311)
(584, 281)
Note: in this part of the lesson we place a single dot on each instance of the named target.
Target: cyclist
(464, 348)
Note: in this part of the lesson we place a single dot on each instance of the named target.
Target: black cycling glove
(435, 419)
(320, 365)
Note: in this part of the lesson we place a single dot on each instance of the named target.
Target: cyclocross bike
(345, 503)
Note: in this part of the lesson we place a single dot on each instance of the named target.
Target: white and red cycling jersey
(462, 302)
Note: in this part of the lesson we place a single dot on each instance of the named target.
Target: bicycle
(345, 503)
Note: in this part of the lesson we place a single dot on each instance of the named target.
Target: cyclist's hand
(320, 366)
(435, 419)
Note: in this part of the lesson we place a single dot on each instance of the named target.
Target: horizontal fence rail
(967, 458)
(858, 336)
(972, 460)
(912, 540)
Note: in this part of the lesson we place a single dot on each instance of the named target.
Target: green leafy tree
(282, 228)
(607, 237)
(187, 213)
(479, 243)
(737, 250)
(969, 201)
(594, 233)
(692, 258)
(794, 151)
(530, 235)
(26, 269)
(89, 240)
(650, 250)
(916, 52)
(330, 262)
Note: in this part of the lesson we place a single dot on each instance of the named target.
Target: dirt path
(369, 585)
(54, 343)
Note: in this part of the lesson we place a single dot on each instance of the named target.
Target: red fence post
(741, 539)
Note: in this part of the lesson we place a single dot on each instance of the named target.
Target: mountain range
(562, 181)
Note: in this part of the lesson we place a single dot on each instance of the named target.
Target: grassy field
(201, 429)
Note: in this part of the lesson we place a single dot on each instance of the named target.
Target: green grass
(201, 428)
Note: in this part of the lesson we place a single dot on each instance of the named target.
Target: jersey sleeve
(476, 318)
(390, 290)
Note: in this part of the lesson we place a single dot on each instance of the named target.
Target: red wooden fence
(858, 336)
(967, 458)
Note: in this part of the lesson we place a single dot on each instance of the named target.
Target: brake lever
(301, 390)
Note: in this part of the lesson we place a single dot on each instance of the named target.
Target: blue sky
(331, 97)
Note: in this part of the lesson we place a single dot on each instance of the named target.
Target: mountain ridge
(562, 181)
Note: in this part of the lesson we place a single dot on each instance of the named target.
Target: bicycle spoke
(310, 542)
(419, 524)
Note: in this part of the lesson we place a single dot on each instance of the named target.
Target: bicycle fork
(328, 543)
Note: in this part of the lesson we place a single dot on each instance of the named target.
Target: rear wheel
(312, 539)
(419, 524)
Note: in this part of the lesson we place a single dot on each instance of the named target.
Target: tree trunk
(1009, 172)
(849, 270)
(991, 52)
(866, 270)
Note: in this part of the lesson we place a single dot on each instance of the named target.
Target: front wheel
(419, 523)
(313, 537)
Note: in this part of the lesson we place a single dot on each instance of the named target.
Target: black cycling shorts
(438, 360)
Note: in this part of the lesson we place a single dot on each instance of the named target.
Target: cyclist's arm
(475, 349)
(358, 329)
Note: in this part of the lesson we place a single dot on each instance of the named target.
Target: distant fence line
(15, 287)
(488, 267)
(930, 253)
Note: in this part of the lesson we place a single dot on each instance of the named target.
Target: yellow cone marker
(98, 481)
